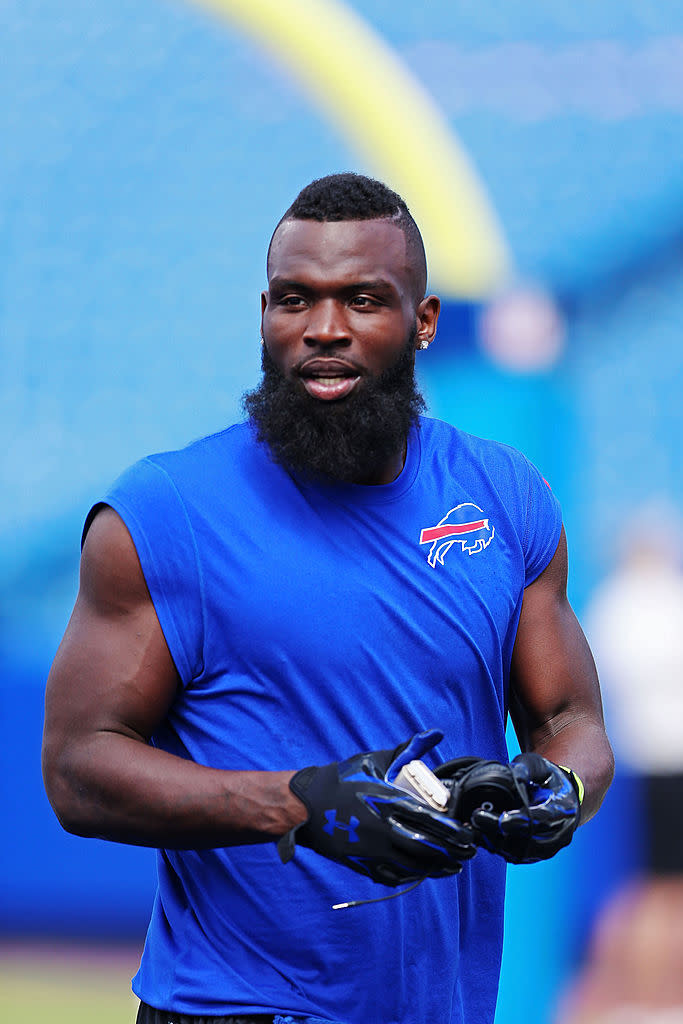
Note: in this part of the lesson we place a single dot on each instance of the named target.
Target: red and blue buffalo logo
(465, 525)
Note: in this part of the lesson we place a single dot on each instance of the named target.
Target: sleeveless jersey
(308, 622)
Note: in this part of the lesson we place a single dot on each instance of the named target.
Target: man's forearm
(115, 787)
(582, 746)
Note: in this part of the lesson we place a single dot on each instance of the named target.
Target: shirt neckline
(373, 494)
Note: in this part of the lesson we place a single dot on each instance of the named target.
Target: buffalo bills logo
(465, 525)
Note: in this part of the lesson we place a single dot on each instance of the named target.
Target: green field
(66, 985)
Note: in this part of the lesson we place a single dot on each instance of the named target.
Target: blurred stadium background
(149, 147)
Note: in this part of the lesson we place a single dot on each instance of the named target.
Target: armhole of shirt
(169, 562)
(543, 525)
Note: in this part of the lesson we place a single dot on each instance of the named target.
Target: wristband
(575, 780)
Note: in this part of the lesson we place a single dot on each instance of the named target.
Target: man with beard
(267, 614)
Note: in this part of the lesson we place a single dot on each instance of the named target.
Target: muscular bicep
(553, 678)
(113, 671)
(111, 684)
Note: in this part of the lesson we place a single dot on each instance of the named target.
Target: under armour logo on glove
(358, 817)
(332, 824)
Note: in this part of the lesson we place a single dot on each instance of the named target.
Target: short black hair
(350, 196)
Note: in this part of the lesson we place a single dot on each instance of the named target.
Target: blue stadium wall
(148, 151)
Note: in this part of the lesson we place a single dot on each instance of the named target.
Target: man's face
(341, 320)
(340, 303)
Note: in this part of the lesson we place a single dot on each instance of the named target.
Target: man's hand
(525, 811)
(356, 816)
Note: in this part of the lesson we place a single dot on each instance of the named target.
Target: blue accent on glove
(413, 750)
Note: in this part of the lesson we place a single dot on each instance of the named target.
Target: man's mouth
(328, 379)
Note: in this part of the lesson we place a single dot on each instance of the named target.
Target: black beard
(349, 440)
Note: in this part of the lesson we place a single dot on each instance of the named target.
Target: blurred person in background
(318, 583)
(635, 625)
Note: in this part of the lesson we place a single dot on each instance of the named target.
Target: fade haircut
(351, 196)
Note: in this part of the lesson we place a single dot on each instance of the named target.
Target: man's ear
(264, 303)
(427, 316)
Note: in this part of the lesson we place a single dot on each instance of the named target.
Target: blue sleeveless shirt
(309, 622)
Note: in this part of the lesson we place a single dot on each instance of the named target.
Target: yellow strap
(575, 779)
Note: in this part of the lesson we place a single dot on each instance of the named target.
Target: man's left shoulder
(487, 452)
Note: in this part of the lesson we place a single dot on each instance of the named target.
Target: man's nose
(326, 324)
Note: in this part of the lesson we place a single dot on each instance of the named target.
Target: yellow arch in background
(393, 124)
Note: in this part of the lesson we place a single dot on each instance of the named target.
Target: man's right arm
(112, 682)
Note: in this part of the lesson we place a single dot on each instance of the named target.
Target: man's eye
(364, 300)
(291, 300)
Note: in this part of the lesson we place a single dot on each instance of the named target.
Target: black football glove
(525, 811)
(356, 816)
